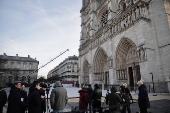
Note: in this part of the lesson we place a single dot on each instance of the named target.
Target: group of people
(20, 102)
(89, 97)
(35, 101)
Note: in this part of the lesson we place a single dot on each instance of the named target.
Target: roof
(17, 58)
(73, 58)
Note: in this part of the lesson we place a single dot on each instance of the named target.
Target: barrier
(75, 109)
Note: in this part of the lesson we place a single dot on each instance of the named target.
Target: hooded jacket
(58, 97)
(34, 101)
(83, 100)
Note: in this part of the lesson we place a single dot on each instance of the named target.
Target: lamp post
(28, 78)
(153, 82)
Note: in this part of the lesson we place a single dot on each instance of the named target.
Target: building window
(24, 66)
(30, 66)
(11, 64)
(18, 66)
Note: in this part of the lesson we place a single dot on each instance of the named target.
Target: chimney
(28, 56)
(16, 55)
(5, 54)
(35, 58)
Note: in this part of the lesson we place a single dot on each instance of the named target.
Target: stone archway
(86, 72)
(127, 62)
(100, 71)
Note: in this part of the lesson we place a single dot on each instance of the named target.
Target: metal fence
(74, 108)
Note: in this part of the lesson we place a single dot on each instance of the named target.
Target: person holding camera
(125, 98)
(42, 92)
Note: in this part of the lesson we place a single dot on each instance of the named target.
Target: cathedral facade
(124, 41)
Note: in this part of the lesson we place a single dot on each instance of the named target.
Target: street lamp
(153, 82)
(28, 78)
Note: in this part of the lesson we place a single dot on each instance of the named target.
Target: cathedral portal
(127, 62)
(100, 71)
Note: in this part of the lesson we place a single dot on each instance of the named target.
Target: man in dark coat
(143, 99)
(89, 92)
(24, 98)
(3, 98)
(114, 101)
(14, 99)
(42, 92)
(34, 98)
(96, 98)
(83, 100)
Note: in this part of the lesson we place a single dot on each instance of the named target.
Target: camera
(47, 91)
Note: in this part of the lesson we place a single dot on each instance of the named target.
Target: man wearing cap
(143, 99)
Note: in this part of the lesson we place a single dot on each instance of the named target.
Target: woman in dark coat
(3, 99)
(143, 99)
(34, 99)
(83, 100)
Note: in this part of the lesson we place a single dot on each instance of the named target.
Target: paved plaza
(159, 103)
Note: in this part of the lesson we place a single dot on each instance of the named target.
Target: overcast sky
(41, 29)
